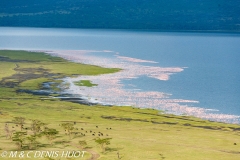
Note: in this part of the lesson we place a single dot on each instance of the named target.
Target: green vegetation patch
(7, 69)
(86, 83)
(32, 84)
(25, 56)
(28, 70)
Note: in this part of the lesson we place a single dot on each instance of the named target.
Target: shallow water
(182, 73)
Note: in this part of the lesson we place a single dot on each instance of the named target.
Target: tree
(50, 133)
(8, 131)
(32, 141)
(68, 128)
(103, 142)
(82, 144)
(19, 138)
(19, 121)
(36, 126)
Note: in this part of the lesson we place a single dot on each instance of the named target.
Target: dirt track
(94, 154)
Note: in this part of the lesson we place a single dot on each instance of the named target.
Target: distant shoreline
(132, 30)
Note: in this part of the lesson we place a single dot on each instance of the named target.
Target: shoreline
(115, 94)
(134, 30)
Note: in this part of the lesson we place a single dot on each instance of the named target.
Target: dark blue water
(212, 76)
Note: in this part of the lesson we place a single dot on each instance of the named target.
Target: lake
(181, 73)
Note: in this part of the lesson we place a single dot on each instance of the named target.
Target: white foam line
(135, 60)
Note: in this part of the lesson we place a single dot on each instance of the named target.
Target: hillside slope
(123, 14)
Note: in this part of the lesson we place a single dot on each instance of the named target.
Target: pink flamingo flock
(111, 91)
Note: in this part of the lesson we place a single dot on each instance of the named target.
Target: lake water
(182, 73)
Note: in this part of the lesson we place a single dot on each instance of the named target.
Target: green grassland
(136, 134)
(28, 69)
(86, 83)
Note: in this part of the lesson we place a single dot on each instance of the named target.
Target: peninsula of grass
(29, 70)
(86, 83)
(39, 123)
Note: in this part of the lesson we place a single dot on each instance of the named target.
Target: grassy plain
(137, 134)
